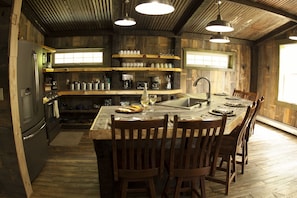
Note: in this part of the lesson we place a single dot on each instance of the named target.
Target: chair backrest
(138, 147)
(195, 144)
(238, 93)
(250, 128)
(240, 131)
(253, 96)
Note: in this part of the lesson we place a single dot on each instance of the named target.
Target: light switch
(1, 94)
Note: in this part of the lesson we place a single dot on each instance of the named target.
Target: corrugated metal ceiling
(252, 19)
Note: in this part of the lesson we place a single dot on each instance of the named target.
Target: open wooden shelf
(148, 56)
(107, 69)
(117, 92)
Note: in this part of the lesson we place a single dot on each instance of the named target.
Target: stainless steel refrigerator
(30, 94)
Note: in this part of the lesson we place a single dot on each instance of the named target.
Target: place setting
(219, 111)
(235, 104)
(232, 98)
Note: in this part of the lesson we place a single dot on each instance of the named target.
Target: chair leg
(243, 158)
(152, 188)
(233, 170)
(178, 188)
(166, 188)
(124, 187)
(202, 187)
(246, 152)
(228, 175)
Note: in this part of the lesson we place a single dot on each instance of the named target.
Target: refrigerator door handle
(33, 134)
(36, 75)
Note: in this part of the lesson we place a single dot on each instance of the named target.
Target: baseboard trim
(277, 124)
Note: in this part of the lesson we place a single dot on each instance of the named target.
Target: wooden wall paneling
(254, 69)
(28, 31)
(238, 78)
(268, 85)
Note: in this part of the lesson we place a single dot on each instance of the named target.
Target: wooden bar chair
(231, 145)
(193, 154)
(253, 96)
(249, 132)
(138, 152)
(238, 93)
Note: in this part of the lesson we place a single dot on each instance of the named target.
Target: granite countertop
(100, 129)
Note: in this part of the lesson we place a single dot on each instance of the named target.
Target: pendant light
(126, 21)
(154, 7)
(219, 25)
(293, 35)
(219, 38)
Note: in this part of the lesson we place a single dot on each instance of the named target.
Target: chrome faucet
(207, 94)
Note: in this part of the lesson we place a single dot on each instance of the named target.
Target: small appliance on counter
(156, 82)
(127, 81)
(141, 84)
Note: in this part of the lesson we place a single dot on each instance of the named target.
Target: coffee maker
(156, 82)
(127, 81)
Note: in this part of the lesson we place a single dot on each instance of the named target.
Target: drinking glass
(153, 100)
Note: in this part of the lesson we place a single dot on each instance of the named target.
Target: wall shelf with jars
(82, 90)
(165, 61)
(109, 80)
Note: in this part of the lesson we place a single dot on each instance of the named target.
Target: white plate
(234, 105)
(220, 114)
(221, 94)
(232, 98)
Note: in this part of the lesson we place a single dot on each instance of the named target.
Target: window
(287, 78)
(88, 56)
(208, 59)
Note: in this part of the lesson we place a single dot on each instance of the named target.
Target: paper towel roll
(56, 109)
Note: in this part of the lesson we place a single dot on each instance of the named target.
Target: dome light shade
(293, 37)
(219, 25)
(219, 38)
(293, 34)
(155, 7)
(126, 21)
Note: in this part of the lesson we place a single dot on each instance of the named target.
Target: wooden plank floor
(71, 172)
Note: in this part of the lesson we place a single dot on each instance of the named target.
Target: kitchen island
(101, 134)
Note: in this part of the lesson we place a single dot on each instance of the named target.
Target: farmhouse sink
(184, 103)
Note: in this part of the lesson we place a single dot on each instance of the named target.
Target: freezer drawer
(36, 148)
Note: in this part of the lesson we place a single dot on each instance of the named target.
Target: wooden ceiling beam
(266, 8)
(187, 15)
(276, 32)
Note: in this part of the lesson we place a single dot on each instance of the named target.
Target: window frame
(279, 102)
(76, 50)
(231, 62)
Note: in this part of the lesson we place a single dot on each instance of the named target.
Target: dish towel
(56, 109)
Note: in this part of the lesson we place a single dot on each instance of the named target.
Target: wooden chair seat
(138, 152)
(192, 155)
